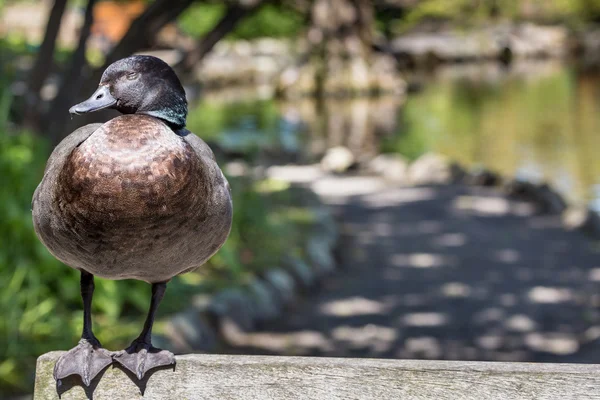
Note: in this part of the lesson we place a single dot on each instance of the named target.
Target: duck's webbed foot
(141, 357)
(86, 359)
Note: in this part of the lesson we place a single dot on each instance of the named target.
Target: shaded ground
(450, 272)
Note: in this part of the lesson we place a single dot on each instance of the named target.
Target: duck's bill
(100, 100)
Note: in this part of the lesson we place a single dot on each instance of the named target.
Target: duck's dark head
(139, 85)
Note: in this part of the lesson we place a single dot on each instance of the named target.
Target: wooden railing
(259, 377)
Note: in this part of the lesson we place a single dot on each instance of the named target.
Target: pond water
(539, 121)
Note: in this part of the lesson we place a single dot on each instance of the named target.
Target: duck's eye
(132, 76)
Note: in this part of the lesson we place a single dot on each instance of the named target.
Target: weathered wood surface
(258, 377)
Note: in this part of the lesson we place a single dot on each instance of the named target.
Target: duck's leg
(141, 356)
(88, 358)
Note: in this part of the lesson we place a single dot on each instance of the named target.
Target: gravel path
(446, 272)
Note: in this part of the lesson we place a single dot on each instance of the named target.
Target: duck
(137, 197)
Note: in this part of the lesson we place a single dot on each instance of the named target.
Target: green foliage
(469, 12)
(200, 18)
(269, 20)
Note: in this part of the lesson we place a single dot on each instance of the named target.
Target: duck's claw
(140, 357)
(86, 359)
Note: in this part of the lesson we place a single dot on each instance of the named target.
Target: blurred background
(503, 90)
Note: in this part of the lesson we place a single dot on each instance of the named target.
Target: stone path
(443, 272)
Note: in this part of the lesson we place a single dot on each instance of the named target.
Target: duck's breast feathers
(131, 166)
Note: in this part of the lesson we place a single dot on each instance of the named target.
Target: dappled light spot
(419, 260)
(550, 295)
(398, 196)
(426, 347)
(311, 339)
(236, 168)
(456, 289)
(347, 186)
(425, 319)
(353, 306)
(483, 205)
(452, 239)
(556, 343)
(490, 342)
(520, 323)
(592, 333)
(295, 173)
(508, 256)
(298, 342)
(594, 274)
(378, 338)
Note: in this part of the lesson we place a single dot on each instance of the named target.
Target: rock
(545, 199)
(338, 159)
(266, 303)
(319, 255)
(519, 189)
(233, 303)
(488, 42)
(301, 272)
(189, 331)
(582, 219)
(550, 201)
(483, 177)
(391, 167)
(433, 168)
(282, 283)
(326, 226)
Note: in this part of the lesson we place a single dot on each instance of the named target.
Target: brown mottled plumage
(133, 203)
(138, 197)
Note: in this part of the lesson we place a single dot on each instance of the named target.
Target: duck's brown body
(131, 199)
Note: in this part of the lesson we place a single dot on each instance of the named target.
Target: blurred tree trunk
(57, 114)
(339, 58)
(234, 14)
(140, 35)
(144, 29)
(43, 61)
(81, 82)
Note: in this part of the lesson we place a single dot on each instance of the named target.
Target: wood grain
(257, 377)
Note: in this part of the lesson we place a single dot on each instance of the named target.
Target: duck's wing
(60, 153)
(66, 146)
(199, 145)
(206, 156)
